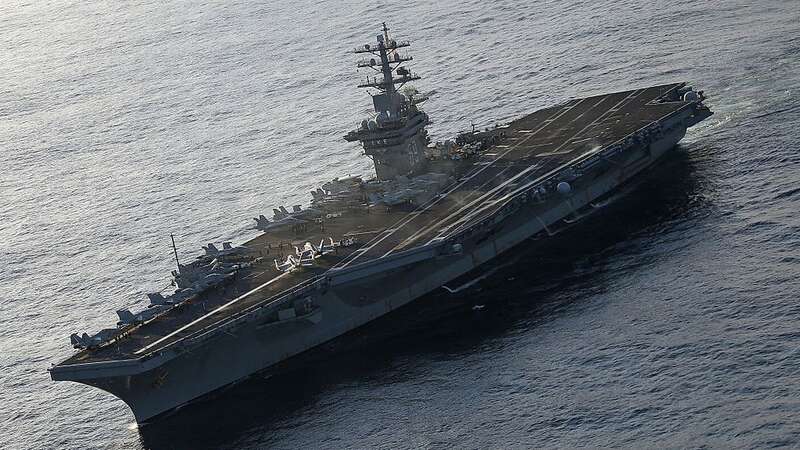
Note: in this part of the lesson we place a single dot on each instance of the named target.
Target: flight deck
(534, 147)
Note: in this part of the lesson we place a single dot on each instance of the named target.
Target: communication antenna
(175, 250)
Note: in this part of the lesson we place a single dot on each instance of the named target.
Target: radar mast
(391, 62)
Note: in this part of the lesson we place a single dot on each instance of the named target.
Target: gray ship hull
(348, 299)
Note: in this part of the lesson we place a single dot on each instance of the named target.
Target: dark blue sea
(671, 321)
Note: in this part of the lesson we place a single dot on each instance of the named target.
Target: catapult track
(536, 146)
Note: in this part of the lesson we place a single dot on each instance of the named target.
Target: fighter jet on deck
(227, 250)
(264, 224)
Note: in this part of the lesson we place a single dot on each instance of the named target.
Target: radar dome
(372, 124)
(690, 96)
(563, 188)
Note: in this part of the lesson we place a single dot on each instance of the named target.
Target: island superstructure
(365, 247)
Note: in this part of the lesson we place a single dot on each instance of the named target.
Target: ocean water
(673, 321)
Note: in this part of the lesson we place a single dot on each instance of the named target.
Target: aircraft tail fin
(156, 298)
(126, 317)
(77, 341)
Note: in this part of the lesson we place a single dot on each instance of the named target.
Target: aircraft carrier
(364, 247)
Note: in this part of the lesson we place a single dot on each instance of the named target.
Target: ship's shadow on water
(519, 288)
